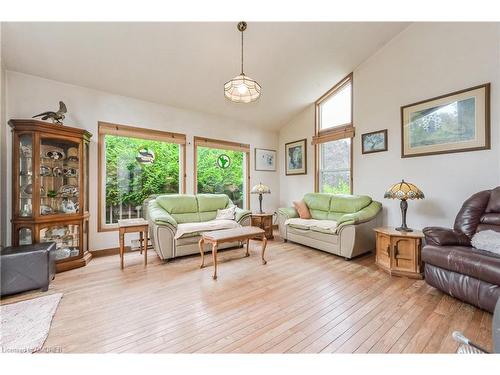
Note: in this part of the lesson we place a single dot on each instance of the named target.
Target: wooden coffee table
(230, 235)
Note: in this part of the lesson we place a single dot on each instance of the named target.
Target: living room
(250, 186)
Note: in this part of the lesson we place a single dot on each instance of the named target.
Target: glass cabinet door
(59, 176)
(66, 237)
(25, 175)
(25, 236)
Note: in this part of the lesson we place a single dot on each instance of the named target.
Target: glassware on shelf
(25, 236)
(66, 237)
(25, 174)
(59, 172)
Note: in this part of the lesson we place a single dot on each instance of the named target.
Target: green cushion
(348, 203)
(178, 203)
(189, 217)
(319, 214)
(212, 202)
(207, 216)
(318, 201)
(335, 216)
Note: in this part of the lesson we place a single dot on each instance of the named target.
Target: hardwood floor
(302, 301)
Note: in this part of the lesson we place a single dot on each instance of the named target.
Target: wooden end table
(398, 253)
(231, 235)
(265, 222)
(133, 226)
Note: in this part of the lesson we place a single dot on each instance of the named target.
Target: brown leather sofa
(453, 265)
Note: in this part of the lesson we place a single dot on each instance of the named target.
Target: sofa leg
(45, 288)
(285, 240)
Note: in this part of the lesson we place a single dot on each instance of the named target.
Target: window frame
(222, 145)
(333, 133)
(107, 128)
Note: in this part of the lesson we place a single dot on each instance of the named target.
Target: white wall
(28, 95)
(294, 187)
(425, 60)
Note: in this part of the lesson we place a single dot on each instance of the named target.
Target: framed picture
(296, 157)
(265, 160)
(374, 142)
(455, 122)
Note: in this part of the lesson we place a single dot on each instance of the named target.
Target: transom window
(333, 139)
(336, 108)
(135, 163)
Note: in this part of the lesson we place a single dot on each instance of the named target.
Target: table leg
(214, 255)
(141, 239)
(145, 248)
(122, 248)
(264, 244)
(248, 244)
(201, 243)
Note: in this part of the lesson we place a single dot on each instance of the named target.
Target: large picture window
(334, 131)
(222, 167)
(134, 164)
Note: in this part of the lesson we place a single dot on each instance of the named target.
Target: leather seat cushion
(469, 261)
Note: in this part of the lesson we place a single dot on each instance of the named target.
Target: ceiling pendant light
(242, 89)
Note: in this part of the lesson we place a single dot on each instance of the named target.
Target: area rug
(25, 325)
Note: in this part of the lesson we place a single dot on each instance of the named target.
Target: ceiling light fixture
(242, 89)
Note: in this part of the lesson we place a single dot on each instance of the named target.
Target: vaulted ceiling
(186, 64)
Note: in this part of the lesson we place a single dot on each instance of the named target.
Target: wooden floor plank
(303, 300)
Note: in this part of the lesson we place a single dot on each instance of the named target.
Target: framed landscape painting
(296, 157)
(374, 142)
(265, 160)
(455, 122)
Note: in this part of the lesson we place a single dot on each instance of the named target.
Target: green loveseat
(355, 216)
(166, 212)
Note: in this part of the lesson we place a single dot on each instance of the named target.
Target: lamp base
(404, 229)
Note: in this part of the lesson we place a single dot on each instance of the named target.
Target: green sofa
(166, 212)
(355, 217)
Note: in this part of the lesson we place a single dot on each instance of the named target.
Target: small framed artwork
(374, 142)
(265, 160)
(296, 157)
(455, 122)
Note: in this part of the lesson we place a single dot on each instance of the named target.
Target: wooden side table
(398, 253)
(264, 221)
(133, 226)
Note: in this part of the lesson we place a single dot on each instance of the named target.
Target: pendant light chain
(242, 54)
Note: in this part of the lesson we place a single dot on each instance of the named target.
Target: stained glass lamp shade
(403, 191)
(242, 89)
(260, 189)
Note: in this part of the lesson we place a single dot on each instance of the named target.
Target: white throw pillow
(488, 240)
(226, 214)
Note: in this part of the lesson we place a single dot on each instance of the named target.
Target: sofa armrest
(159, 216)
(288, 212)
(445, 237)
(366, 214)
(240, 214)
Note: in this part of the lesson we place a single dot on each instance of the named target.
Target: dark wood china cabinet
(50, 189)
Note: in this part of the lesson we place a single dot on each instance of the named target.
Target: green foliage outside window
(213, 179)
(342, 187)
(129, 182)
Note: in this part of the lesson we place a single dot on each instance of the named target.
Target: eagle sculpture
(57, 117)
